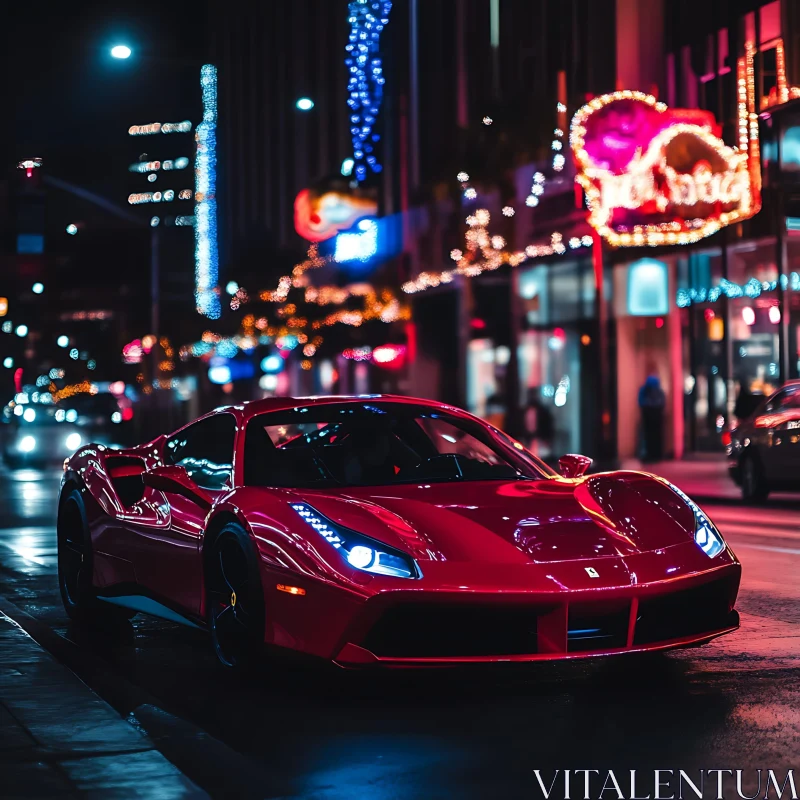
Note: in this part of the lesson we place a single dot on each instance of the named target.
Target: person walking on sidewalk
(652, 402)
(538, 424)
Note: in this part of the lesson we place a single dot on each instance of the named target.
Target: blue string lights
(367, 19)
(206, 254)
(752, 289)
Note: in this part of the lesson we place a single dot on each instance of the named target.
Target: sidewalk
(58, 739)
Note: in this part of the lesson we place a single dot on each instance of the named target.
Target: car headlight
(358, 550)
(27, 444)
(706, 535)
(73, 441)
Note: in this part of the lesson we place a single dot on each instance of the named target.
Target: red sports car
(386, 530)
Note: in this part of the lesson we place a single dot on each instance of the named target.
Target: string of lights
(206, 251)
(492, 254)
(367, 19)
(751, 289)
(485, 252)
(557, 145)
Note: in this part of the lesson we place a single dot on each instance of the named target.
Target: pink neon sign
(656, 176)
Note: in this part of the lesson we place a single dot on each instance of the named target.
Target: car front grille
(472, 630)
(694, 611)
(421, 630)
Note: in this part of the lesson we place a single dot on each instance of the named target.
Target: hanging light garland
(557, 145)
(367, 19)
(725, 288)
(485, 252)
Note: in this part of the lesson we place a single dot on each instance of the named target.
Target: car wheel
(234, 598)
(754, 486)
(75, 568)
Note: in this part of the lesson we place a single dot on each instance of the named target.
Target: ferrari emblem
(233, 599)
(592, 572)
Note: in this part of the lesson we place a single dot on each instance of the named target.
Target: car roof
(252, 408)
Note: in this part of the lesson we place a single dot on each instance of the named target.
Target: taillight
(127, 414)
(726, 438)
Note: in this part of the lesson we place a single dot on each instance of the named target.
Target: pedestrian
(539, 428)
(746, 401)
(651, 403)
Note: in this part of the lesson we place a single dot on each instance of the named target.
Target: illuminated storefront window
(557, 305)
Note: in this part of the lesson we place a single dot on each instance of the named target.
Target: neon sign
(655, 176)
(320, 214)
(158, 127)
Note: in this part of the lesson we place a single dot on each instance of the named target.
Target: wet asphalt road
(306, 731)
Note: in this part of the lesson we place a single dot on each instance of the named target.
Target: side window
(205, 450)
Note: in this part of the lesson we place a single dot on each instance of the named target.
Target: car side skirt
(137, 600)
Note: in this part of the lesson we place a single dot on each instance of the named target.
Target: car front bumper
(414, 627)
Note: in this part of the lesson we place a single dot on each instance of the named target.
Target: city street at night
(400, 400)
(308, 730)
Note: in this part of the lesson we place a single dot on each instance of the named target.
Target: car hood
(607, 515)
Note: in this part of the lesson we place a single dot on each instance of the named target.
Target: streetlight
(72, 229)
(37, 288)
(22, 331)
(305, 104)
(62, 341)
(121, 51)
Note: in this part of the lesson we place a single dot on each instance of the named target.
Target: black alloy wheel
(75, 568)
(235, 599)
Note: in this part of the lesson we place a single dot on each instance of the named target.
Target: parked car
(386, 531)
(764, 449)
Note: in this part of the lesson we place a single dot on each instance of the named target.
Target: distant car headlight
(73, 441)
(27, 444)
(361, 552)
(706, 535)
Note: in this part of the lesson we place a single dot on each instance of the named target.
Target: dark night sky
(71, 103)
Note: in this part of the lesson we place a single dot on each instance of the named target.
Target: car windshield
(377, 444)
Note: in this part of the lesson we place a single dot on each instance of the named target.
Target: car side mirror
(176, 480)
(573, 465)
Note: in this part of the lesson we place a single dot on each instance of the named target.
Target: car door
(167, 558)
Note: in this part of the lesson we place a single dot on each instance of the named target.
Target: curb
(212, 765)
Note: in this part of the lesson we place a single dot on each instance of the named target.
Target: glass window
(377, 444)
(550, 373)
(557, 293)
(205, 450)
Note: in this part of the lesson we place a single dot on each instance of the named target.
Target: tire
(75, 568)
(754, 485)
(234, 598)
